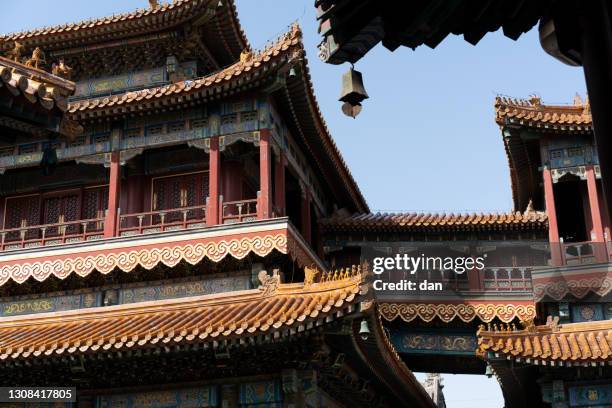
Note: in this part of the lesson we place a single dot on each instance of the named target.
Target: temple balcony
(224, 195)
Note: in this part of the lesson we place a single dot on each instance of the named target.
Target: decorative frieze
(124, 295)
(206, 396)
(267, 393)
(434, 343)
(50, 304)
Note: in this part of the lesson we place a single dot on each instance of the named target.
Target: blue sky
(425, 140)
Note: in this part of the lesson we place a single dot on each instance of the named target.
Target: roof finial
(535, 100)
(587, 105)
(61, 69)
(577, 100)
(246, 55)
(37, 60)
(529, 209)
(153, 4)
(15, 53)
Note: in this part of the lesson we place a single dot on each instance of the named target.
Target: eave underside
(350, 30)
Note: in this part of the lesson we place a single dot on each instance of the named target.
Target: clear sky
(426, 139)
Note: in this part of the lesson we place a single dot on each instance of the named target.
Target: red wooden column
(306, 216)
(594, 205)
(596, 220)
(553, 228)
(114, 193)
(214, 182)
(279, 184)
(264, 200)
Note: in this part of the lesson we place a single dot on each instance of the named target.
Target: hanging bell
(353, 92)
(292, 73)
(364, 330)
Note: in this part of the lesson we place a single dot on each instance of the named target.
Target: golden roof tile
(141, 20)
(270, 309)
(280, 49)
(35, 84)
(588, 343)
(532, 113)
(398, 222)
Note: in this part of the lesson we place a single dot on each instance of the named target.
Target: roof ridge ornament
(269, 284)
(153, 4)
(246, 55)
(15, 53)
(37, 60)
(530, 209)
(535, 101)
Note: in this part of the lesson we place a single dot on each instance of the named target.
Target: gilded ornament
(61, 70)
(16, 53)
(37, 60)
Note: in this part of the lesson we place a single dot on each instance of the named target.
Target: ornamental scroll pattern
(579, 288)
(448, 312)
(148, 258)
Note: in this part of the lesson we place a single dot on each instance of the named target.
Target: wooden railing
(578, 253)
(238, 211)
(127, 225)
(51, 234)
(507, 278)
(162, 220)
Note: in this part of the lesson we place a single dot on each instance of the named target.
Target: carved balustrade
(162, 220)
(51, 234)
(238, 211)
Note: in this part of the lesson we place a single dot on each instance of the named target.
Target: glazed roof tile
(273, 308)
(36, 85)
(532, 113)
(152, 18)
(252, 65)
(399, 222)
(566, 344)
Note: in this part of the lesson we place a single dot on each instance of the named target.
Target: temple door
(22, 212)
(177, 192)
(59, 210)
(95, 203)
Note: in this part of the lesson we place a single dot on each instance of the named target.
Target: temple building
(159, 240)
(179, 230)
(564, 355)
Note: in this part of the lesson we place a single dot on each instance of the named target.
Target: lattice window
(556, 154)
(101, 138)
(22, 212)
(95, 203)
(248, 116)
(575, 151)
(199, 123)
(78, 141)
(229, 119)
(130, 133)
(176, 127)
(155, 130)
(59, 210)
(175, 192)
